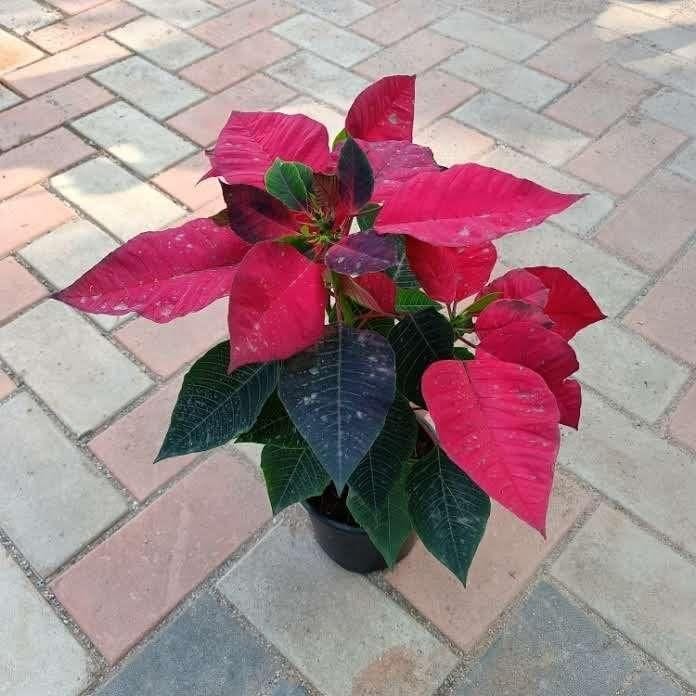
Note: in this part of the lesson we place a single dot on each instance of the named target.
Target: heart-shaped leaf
(569, 304)
(273, 425)
(355, 176)
(251, 141)
(529, 344)
(292, 473)
(290, 182)
(213, 406)
(468, 205)
(503, 313)
(419, 340)
(384, 110)
(161, 275)
(377, 492)
(449, 511)
(365, 252)
(450, 274)
(408, 300)
(255, 215)
(499, 423)
(277, 305)
(338, 394)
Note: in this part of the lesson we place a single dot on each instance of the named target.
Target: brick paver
(106, 108)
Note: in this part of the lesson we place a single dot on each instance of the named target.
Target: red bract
(251, 141)
(449, 274)
(384, 110)
(161, 275)
(529, 344)
(518, 284)
(499, 423)
(468, 205)
(381, 288)
(502, 313)
(569, 305)
(277, 305)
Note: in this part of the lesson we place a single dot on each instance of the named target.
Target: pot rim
(341, 526)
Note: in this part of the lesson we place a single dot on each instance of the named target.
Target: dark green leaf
(382, 325)
(290, 183)
(401, 273)
(273, 425)
(214, 406)
(354, 175)
(338, 393)
(367, 215)
(340, 137)
(448, 510)
(377, 495)
(462, 353)
(411, 300)
(418, 340)
(292, 473)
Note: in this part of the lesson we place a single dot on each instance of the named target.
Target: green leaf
(340, 137)
(382, 325)
(377, 493)
(411, 300)
(292, 473)
(448, 510)
(418, 340)
(481, 304)
(273, 425)
(290, 183)
(462, 353)
(214, 406)
(401, 273)
(367, 216)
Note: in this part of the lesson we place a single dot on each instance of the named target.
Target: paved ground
(119, 578)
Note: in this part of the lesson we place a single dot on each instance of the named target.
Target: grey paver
(24, 16)
(623, 367)
(651, 684)
(52, 502)
(76, 371)
(349, 638)
(152, 89)
(630, 464)
(130, 136)
(183, 13)
(7, 98)
(550, 648)
(583, 216)
(638, 584)
(338, 45)
(39, 657)
(526, 130)
(611, 282)
(317, 77)
(162, 43)
(529, 87)
(205, 651)
(341, 12)
(666, 68)
(685, 162)
(63, 255)
(480, 31)
(119, 201)
(674, 108)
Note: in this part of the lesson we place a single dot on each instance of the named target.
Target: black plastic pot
(346, 545)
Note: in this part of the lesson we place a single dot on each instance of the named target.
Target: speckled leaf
(377, 493)
(292, 473)
(418, 340)
(364, 252)
(401, 272)
(338, 394)
(214, 406)
(161, 275)
(273, 425)
(409, 300)
(499, 423)
(448, 510)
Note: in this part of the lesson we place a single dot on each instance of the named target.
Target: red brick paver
(18, 288)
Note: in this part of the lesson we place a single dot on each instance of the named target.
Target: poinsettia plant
(363, 323)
